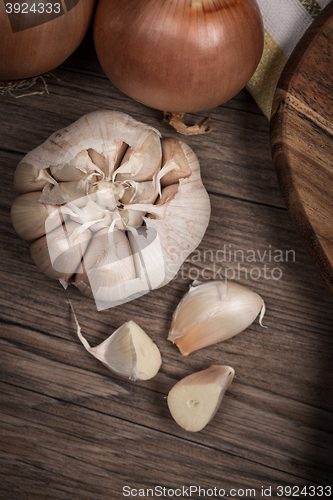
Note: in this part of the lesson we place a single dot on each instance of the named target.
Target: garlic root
(175, 120)
(194, 400)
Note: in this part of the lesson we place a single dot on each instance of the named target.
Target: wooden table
(72, 430)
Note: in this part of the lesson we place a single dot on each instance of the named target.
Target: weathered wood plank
(302, 138)
(279, 390)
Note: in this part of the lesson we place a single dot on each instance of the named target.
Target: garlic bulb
(129, 352)
(136, 200)
(211, 312)
(194, 400)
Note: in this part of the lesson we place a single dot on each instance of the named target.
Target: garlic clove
(107, 164)
(99, 160)
(101, 131)
(175, 165)
(27, 178)
(131, 217)
(194, 400)
(185, 219)
(148, 357)
(65, 192)
(115, 156)
(148, 257)
(140, 192)
(113, 277)
(168, 193)
(28, 216)
(129, 352)
(79, 167)
(53, 194)
(142, 163)
(58, 254)
(78, 191)
(159, 208)
(109, 249)
(95, 252)
(212, 312)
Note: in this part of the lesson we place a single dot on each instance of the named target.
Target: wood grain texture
(302, 141)
(72, 430)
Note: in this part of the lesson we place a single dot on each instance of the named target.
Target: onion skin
(40, 49)
(179, 55)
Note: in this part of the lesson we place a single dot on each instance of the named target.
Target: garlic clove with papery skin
(140, 164)
(27, 178)
(175, 164)
(78, 168)
(129, 352)
(58, 254)
(109, 171)
(140, 192)
(212, 312)
(108, 268)
(194, 400)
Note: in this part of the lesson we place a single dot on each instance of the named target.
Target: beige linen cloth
(285, 22)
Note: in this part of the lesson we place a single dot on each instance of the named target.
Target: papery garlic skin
(29, 215)
(108, 172)
(212, 312)
(194, 400)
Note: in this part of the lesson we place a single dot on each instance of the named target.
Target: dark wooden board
(302, 141)
(72, 430)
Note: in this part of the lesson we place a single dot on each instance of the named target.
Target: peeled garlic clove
(58, 254)
(194, 400)
(129, 352)
(28, 216)
(211, 312)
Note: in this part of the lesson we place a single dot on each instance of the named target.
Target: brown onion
(35, 42)
(179, 55)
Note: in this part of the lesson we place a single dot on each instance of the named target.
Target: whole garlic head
(110, 206)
